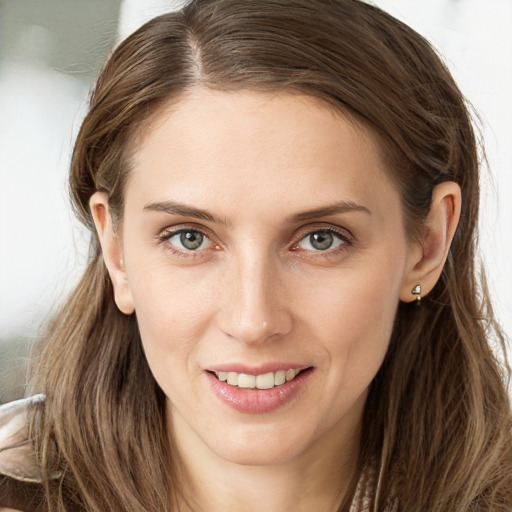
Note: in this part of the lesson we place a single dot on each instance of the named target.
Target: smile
(261, 393)
(263, 381)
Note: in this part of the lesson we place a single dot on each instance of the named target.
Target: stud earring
(417, 291)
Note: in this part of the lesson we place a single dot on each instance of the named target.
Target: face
(263, 243)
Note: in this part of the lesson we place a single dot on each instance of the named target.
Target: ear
(427, 257)
(111, 247)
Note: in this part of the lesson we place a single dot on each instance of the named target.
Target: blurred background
(50, 53)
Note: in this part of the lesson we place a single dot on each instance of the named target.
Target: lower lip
(258, 401)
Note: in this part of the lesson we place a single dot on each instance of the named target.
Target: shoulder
(16, 457)
(20, 478)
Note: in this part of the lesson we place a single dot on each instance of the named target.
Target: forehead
(224, 148)
(235, 113)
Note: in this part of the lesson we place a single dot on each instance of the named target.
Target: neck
(318, 479)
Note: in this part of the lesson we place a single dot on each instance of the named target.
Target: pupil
(191, 239)
(321, 240)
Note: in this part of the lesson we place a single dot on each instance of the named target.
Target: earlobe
(111, 248)
(428, 256)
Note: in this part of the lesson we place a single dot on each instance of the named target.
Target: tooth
(280, 377)
(265, 381)
(246, 381)
(290, 374)
(232, 378)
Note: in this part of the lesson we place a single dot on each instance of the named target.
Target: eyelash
(167, 234)
(346, 240)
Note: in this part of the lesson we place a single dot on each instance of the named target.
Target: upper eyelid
(172, 230)
(341, 232)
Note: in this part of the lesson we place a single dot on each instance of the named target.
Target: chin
(252, 457)
(260, 447)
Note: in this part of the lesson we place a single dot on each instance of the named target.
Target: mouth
(267, 380)
(255, 392)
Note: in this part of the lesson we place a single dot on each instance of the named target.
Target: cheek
(353, 326)
(173, 311)
(354, 316)
(167, 298)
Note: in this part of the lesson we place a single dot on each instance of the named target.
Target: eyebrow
(176, 208)
(328, 210)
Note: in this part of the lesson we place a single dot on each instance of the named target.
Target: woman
(281, 310)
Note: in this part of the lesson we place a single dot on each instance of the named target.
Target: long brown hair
(437, 424)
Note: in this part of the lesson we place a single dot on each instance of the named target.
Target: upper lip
(259, 369)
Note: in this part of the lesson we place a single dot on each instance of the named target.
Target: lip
(258, 401)
(260, 369)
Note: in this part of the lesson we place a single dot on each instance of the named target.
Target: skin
(258, 291)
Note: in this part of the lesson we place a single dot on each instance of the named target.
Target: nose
(253, 308)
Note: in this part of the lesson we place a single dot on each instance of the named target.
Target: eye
(321, 240)
(188, 240)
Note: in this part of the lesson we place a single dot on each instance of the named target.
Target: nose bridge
(254, 308)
